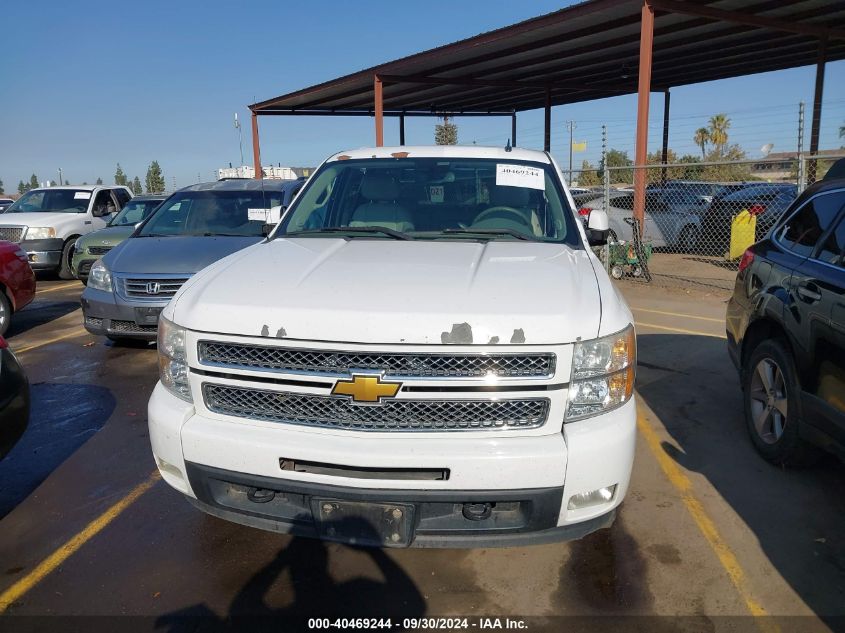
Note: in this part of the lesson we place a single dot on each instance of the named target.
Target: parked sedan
(89, 248)
(196, 226)
(786, 329)
(765, 201)
(14, 399)
(17, 282)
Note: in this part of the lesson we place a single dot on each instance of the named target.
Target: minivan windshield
(236, 213)
(52, 200)
(433, 198)
(135, 211)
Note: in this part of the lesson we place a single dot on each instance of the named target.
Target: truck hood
(394, 292)
(39, 218)
(177, 254)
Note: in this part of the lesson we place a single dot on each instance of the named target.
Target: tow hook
(477, 511)
(259, 495)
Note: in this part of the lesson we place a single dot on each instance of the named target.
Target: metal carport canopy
(591, 50)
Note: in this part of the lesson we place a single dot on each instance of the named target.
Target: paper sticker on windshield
(520, 176)
(257, 214)
(82, 195)
(435, 193)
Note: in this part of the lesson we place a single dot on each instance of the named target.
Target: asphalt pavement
(709, 531)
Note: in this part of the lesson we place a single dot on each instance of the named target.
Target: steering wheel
(488, 212)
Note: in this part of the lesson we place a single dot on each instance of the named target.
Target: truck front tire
(65, 271)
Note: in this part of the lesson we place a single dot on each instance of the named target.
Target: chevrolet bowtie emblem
(366, 388)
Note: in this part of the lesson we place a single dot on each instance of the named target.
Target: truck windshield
(236, 213)
(433, 198)
(135, 211)
(53, 201)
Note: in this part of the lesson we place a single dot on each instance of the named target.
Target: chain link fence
(699, 217)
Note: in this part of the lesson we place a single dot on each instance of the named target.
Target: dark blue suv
(786, 329)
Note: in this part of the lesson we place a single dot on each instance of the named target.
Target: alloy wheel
(769, 400)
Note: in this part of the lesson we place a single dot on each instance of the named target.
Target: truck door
(103, 209)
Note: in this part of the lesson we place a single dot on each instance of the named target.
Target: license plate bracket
(147, 316)
(364, 523)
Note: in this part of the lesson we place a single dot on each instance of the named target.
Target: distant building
(784, 165)
(270, 171)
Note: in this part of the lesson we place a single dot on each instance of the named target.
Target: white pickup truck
(425, 352)
(46, 222)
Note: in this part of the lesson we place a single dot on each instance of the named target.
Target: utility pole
(802, 174)
(174, 183)
(61, 181)
(240, 137)
(571, 125)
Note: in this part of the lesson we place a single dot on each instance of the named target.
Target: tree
(719, 124)
(22, 188)
(446, 133)
(136, 186)
(119, 176)
(99, 181)
(588, 177)
(33, 182)
(1, 187)
(841, 131)
(701, 138)
(67, 182)
(155, 178)
(616, 159)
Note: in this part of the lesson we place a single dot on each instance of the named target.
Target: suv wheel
(773, 406)
(65, 271)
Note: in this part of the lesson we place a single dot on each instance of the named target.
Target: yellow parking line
(705, 524)
(678, 314)
(28, 348)
(62, 287)
(680, 330)
(54, 560)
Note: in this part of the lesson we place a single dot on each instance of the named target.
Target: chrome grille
(99, 250)
(390, 415)
(409, 365)
(147, 288)
(11, 233)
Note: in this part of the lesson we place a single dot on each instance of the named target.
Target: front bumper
(107, 314)
(216, 461)
(43, 254)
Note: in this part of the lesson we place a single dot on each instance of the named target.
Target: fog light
(592, 498)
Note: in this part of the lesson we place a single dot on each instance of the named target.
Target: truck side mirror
(598, 227)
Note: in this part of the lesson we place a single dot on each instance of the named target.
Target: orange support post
(379, 110)
(256, 148)
(643, 90)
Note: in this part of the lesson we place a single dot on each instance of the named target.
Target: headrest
(376, 186)
(502, 196)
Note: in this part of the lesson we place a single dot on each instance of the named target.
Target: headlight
(172, 359)
(603, 372)
(99, 277)
(40, 232)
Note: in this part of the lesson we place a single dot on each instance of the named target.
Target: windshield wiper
(491, 232)
(398, 235)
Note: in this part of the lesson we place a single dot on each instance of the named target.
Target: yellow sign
(366, 388)
(743, 233)
(579, 146)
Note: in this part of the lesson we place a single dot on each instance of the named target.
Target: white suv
(425, 352)
(46, 222)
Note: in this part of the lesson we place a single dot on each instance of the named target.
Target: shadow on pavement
(38, 313)
(63, 417)
(302, 570)
(798, 516)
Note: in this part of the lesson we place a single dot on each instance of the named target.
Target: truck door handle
(807, 292)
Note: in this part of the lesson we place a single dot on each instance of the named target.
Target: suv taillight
(756, 209)
(584, 211)
(747, 259)
(3, 343)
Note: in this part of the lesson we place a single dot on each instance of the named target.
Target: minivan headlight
(99, 277)
(173, 359)
(603, 371)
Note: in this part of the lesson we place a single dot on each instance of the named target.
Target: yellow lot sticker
(54, 560)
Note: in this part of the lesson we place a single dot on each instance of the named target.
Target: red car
(17, 282)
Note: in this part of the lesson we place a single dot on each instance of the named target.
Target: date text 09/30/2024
(412, 624)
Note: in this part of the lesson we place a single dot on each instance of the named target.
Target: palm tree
(701, 138)
(719, 124)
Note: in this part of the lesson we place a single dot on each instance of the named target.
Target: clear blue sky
(89, 84)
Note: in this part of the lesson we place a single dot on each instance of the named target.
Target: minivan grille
(153, 288)
(404, 365)
(390, 415)
(11, 233)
